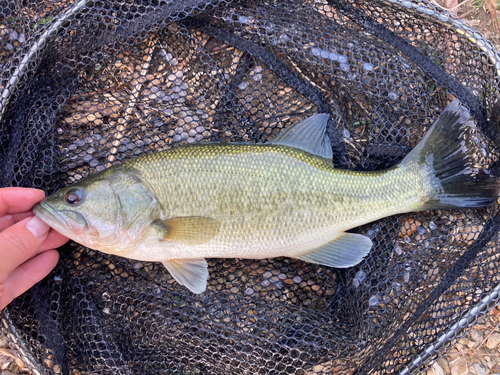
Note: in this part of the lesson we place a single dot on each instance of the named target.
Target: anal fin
(192, 273)
(344, 251)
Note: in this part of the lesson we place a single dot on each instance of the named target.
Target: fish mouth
(47, 213)
(58, 220)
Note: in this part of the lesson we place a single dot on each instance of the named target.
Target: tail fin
(442, 150)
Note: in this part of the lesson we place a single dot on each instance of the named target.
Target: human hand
(27, 244)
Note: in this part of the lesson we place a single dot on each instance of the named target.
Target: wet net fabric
(86, 84)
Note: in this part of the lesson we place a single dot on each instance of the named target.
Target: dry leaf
(491, 4)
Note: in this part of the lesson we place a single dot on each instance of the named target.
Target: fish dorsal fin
(346, 250)
(192, 273)
(309, 135)
(188, 230)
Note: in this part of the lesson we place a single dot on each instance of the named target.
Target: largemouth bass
(282, 198)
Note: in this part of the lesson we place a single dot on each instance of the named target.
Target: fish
(283, 198)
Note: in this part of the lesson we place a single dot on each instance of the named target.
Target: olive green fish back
(88, 84)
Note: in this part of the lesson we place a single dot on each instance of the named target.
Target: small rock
(493, 341)
(137, 266)
(459, 367)
(464, 341)
(373, 301)
(443, 363)
(480, 370)
(3, 342)
(318, 368)
(476, 335)
(421, 230)
(435, 370)
(489, 362)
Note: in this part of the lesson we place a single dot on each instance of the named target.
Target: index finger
(14, 200)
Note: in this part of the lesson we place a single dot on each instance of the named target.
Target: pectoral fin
(189, 230)
(192, 273)
(346, 250)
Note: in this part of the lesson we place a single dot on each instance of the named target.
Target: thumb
(19, 243)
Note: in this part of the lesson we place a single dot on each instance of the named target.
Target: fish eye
(73, 197)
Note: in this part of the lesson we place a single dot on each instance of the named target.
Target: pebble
(476, 335)
(435, 369)
(421, 230)
(465, 341)
(459, 367)
(318, 368)
(443, 363)
(480, 370)
(3, 342)
(373, 301)
(493, 341)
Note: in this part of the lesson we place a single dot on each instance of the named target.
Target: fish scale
(268, 196)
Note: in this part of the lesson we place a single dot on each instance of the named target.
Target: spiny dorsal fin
(309, 135)
(192, 273)
(188, 230)
(346, 250)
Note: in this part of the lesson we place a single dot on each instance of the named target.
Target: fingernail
(37, 227)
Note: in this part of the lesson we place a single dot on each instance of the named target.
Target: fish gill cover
(86, 84)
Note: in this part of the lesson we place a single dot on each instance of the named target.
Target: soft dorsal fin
(309, 135)
(188, 230)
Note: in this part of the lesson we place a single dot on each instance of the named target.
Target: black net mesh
(86, 84)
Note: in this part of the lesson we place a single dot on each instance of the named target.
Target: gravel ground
(478, 352)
